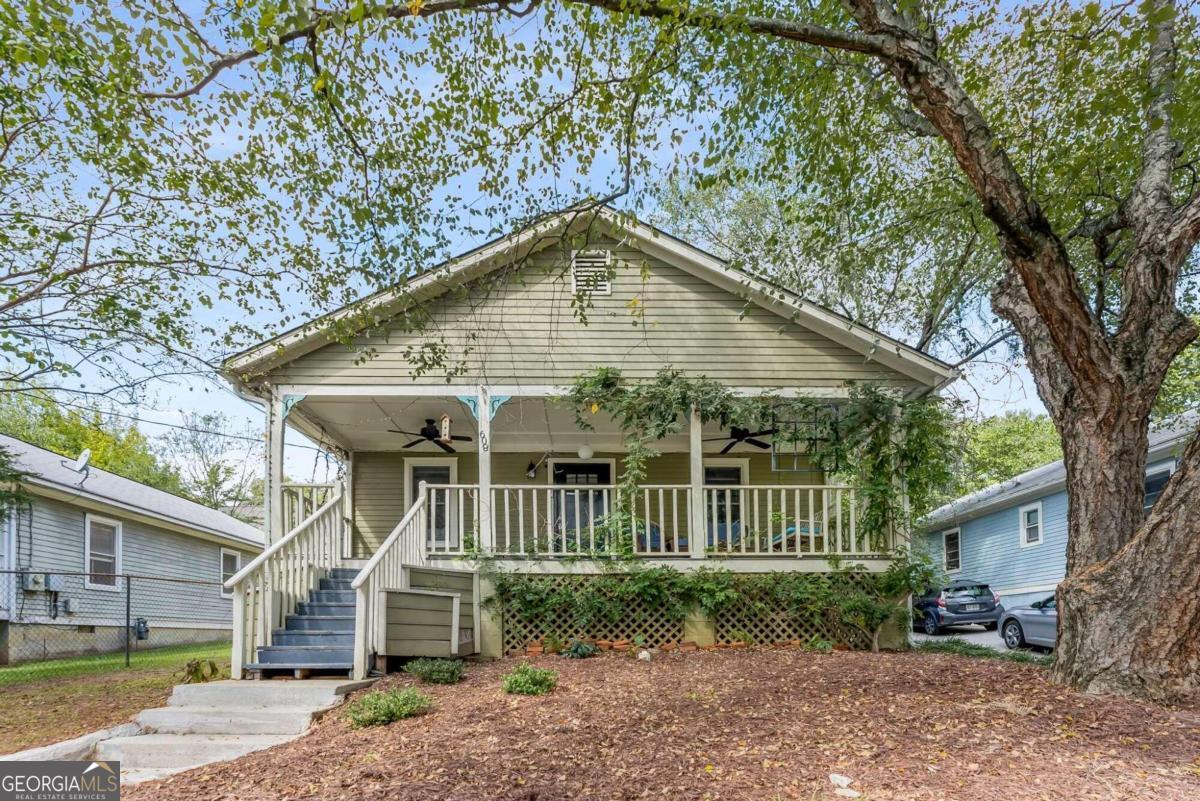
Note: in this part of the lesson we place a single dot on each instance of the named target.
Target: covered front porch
(515, 477)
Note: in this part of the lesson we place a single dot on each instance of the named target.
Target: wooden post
(698, 533)
(487, 532)
(347, 544)
(238, 657)
(273, 489)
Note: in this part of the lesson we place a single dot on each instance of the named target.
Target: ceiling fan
(738, 435)
(432, 432)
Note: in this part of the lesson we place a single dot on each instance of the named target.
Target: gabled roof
(50, 473)
(906, 360)
(1039, 482)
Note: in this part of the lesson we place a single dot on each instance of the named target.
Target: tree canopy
(116, 447)
(998, 448)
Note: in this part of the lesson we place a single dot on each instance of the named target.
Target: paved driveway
(972, 634)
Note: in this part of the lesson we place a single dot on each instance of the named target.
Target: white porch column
(273, 491)
(487, 531)
(698, 533)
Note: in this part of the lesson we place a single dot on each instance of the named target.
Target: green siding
(519, 327)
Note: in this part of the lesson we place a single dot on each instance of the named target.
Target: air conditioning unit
(33, 582)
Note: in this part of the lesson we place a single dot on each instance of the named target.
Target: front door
(724, 506)
(576, 511)
(442, 533)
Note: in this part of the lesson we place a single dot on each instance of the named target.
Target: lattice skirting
(764, 623)
(760, 618)
(640, 623)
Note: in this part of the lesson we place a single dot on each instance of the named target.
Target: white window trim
(742, 463)
(88, 519)
(411, 497)
(426, 461)
(551, 462)
(228, 593)
(945, 565)
(1041, 525)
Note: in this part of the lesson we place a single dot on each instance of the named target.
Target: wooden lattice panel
(640, 621)
(766, 625)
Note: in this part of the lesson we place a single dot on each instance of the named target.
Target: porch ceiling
(520, 425)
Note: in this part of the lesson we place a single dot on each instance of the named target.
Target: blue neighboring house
(1013, 535)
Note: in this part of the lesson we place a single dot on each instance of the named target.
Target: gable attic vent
(590, 272)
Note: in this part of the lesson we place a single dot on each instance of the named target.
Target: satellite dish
(81, 462)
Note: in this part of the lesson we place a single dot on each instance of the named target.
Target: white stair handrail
(280, 577)
(403, 547)
(266, 555)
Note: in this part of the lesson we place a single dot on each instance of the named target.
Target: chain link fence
(62, 623)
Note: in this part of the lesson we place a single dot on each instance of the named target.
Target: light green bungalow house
(475, 456)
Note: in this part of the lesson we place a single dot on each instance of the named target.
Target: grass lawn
(44, 702)
(760, 723)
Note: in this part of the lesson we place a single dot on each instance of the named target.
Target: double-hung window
(1031, 524)
(231, 563)
(102, 553)
(951, 550)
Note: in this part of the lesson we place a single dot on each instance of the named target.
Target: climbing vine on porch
(887, 446)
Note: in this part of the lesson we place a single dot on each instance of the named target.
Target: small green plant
(198, 671)
(580, 650)
(552, 644)
(639, 641)
(818, 643)
(525, 679)
(436, 671)
(742, 636)
(385, 706)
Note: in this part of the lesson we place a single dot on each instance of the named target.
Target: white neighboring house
(91, 548)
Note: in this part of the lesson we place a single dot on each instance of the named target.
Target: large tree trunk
(1131, 624)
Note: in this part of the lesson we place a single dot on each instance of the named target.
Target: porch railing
(551, 521)
(542, 521)
(404, 547)
(779, 520)
(301, 500)
(269, 588)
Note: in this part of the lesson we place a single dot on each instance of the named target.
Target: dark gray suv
(957, 604)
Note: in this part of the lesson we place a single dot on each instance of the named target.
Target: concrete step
(307, 609)
(225, 720)
(139, 775)
(285, 637)
(331, 596)
(320, 623)
(189, 750)
(247, 694)
(307, 654)
(327, 668)
(334, 584)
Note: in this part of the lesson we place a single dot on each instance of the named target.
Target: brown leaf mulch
(756, 724)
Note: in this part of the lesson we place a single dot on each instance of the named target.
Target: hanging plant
(890, 448)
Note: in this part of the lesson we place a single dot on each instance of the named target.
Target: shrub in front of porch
(436, 671)
(386, 706)
(525, 679)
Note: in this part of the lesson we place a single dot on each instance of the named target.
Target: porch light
(585, 452)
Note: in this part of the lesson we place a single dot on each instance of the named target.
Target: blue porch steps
(319, 636)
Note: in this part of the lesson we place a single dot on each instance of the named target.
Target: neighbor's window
(951, 553)
(1154, 487)
(102, 553)
(231, 563)
(1031, 524)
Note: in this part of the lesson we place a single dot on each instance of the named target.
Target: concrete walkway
(214, 722)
